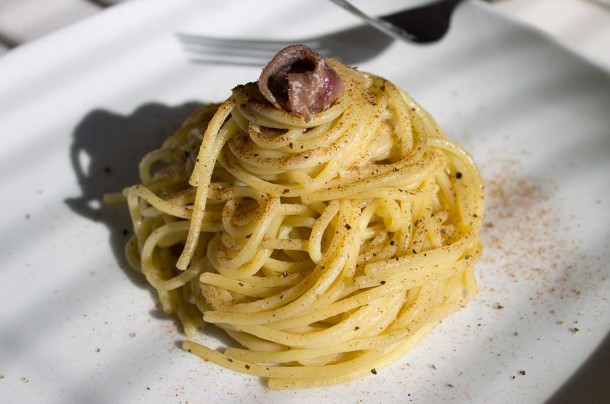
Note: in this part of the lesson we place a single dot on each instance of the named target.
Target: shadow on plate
(105, 153)
(590, 383)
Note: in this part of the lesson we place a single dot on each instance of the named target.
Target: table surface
(581, 25)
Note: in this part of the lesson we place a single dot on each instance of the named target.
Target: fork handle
(383, 26)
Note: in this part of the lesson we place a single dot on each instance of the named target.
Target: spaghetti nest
(325, 248)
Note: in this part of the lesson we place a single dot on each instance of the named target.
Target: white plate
(78, 108)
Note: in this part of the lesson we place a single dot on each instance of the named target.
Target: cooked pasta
(326, 245)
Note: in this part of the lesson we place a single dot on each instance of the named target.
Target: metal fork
(351, 46)
(423, 24)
